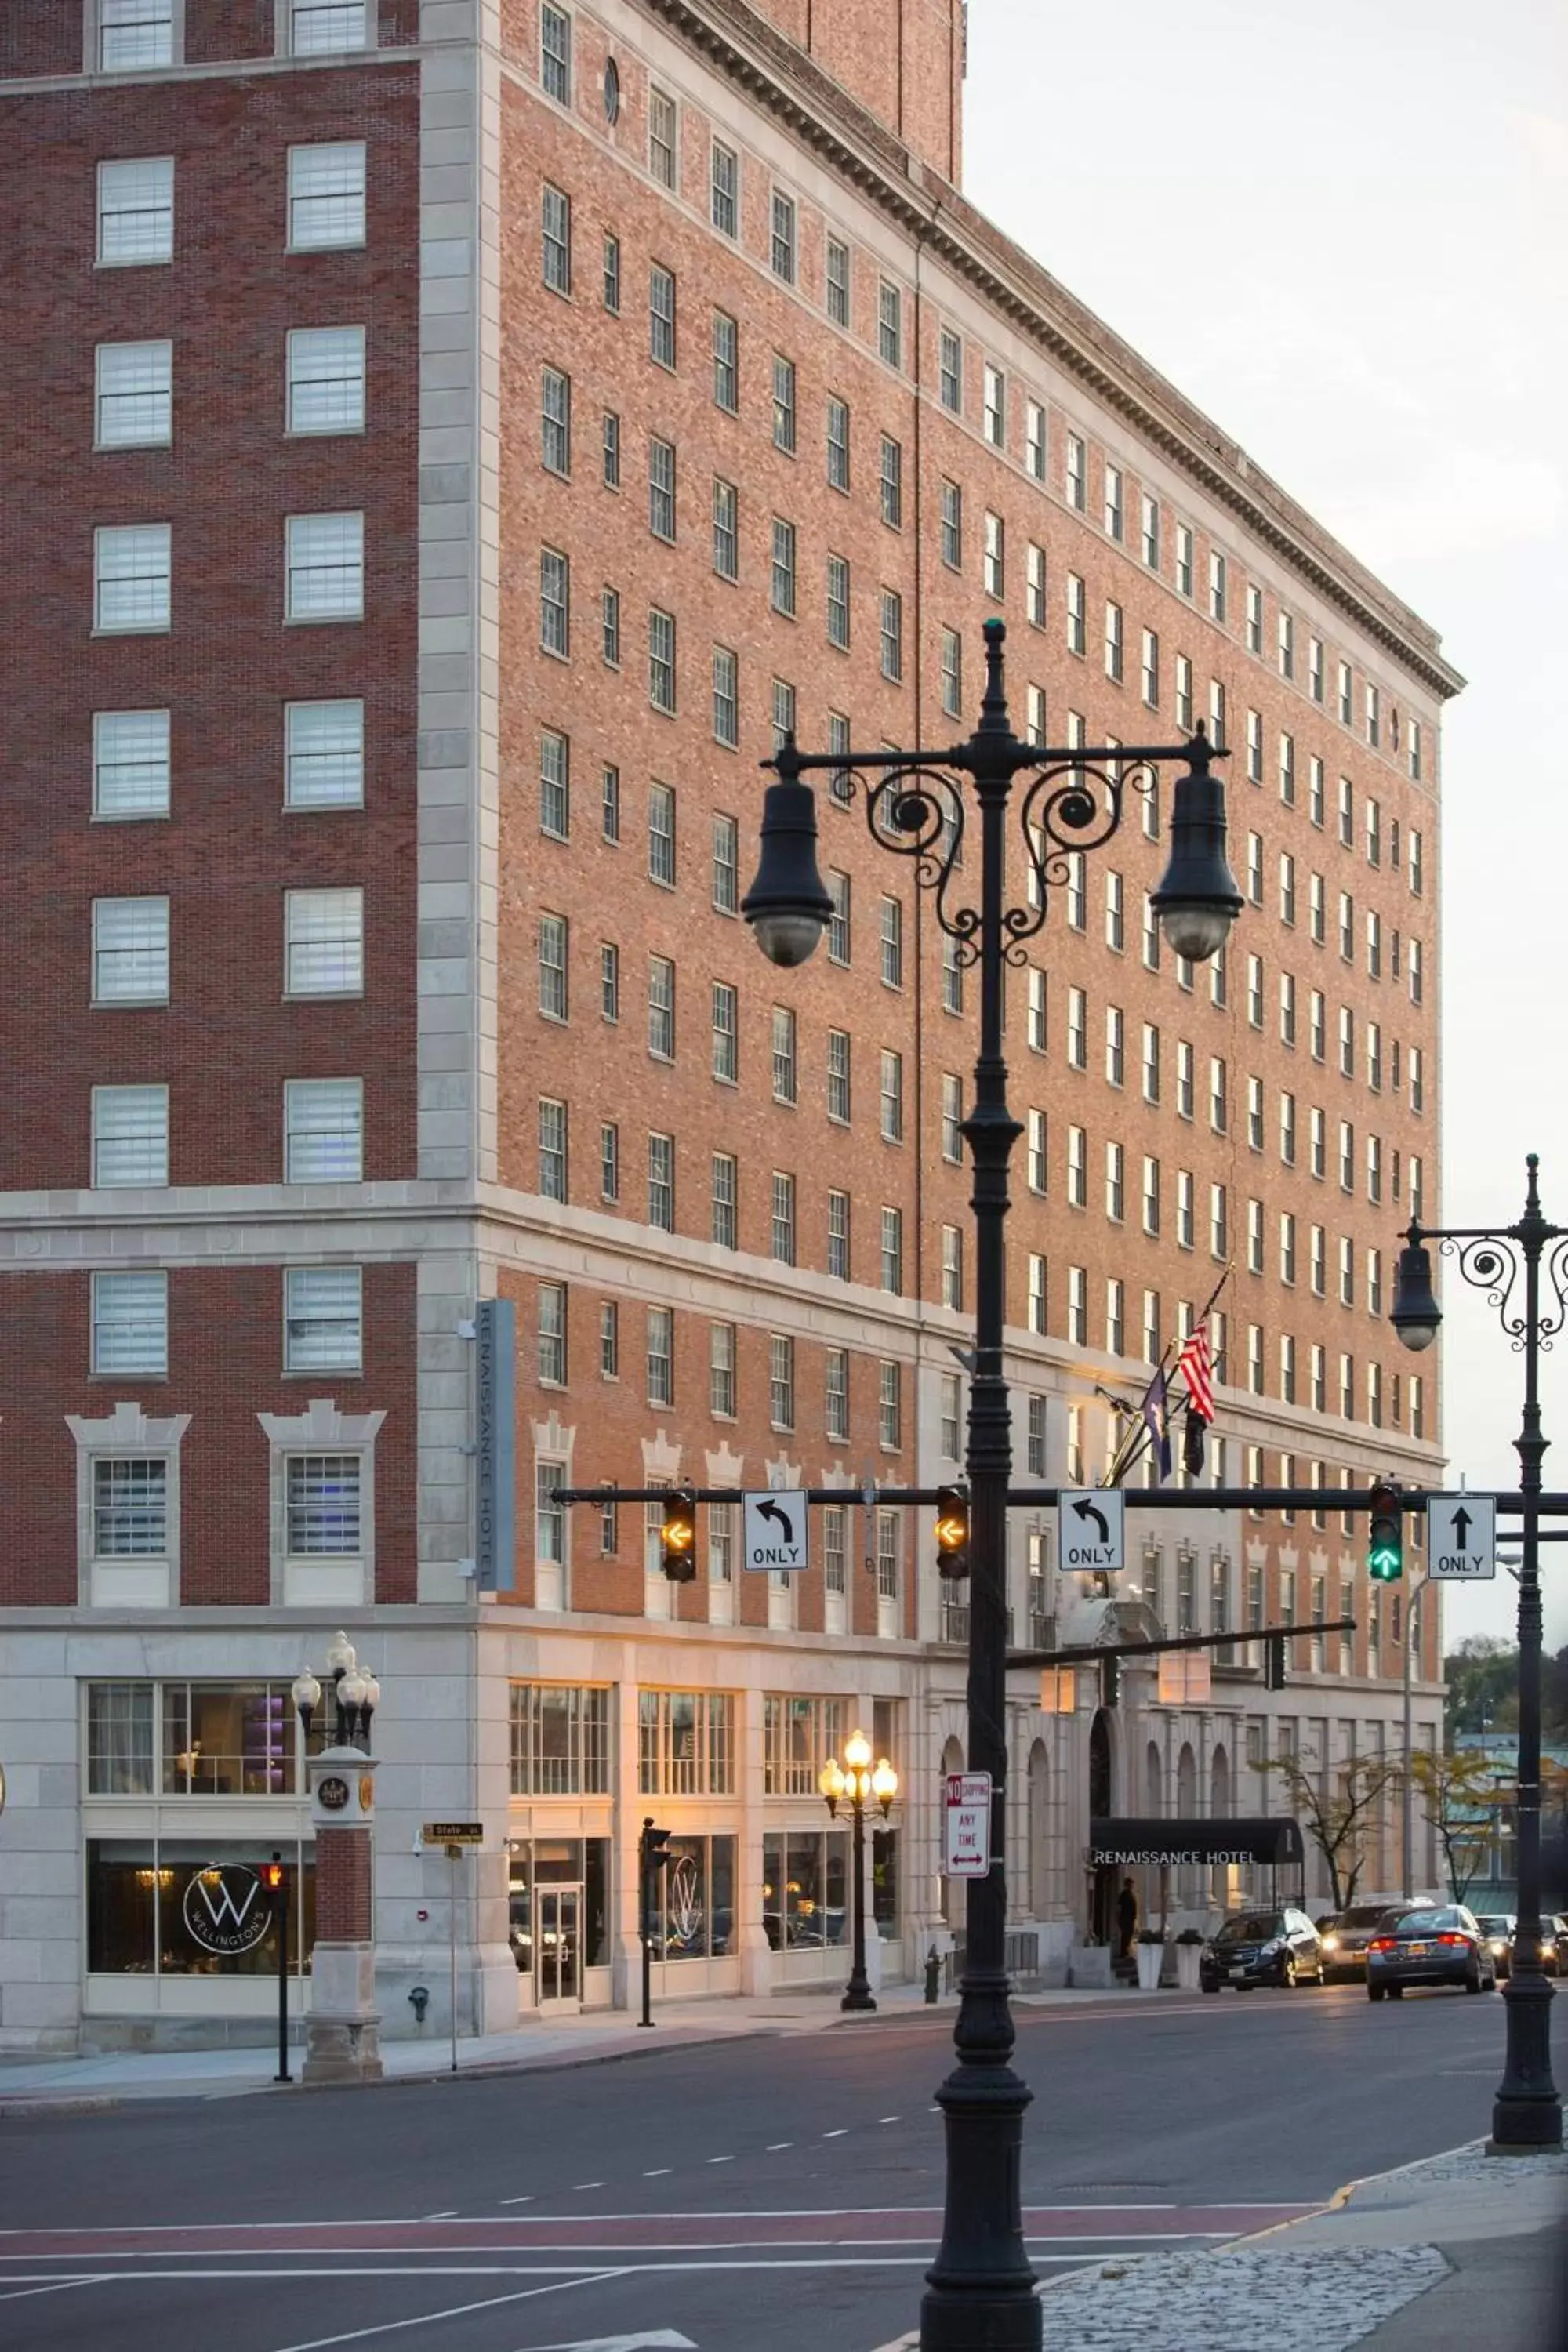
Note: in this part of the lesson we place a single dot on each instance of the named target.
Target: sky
(1343, 230)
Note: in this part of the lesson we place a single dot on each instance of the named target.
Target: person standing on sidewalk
(1126, 1917)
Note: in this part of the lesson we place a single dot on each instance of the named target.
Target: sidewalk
(74, 2085)
(1458, 2249)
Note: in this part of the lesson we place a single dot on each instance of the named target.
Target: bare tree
(1460, 1792)
(1336, 1808)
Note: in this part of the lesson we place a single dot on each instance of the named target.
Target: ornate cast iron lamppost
(855, 1780)
(1526, 2114)
(981, 2292)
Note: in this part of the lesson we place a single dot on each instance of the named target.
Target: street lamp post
(1407, 1818)
(1527, 2114)
(854, 1781)
(981, 2290)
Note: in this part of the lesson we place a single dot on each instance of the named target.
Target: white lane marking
(449, 2215)
(55, 2285)
(578, 2185)
(721, 2159)
(516, 2201)
(428, 2318)
(659, 2172)
(565, 2275)
(773, 2146)
(842, 2133)
(890, 2119)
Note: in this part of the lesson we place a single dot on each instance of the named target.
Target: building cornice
(780, 78)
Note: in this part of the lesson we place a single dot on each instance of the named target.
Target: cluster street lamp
(855, 1782)
(355, 1695)
(1526, 2114)
(981, 2290)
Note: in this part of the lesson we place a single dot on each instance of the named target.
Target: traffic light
(1274, 1662)
(271, 1874)
(654, 1846)
(951, 1531)
(677, 1535)
(1385, 1541)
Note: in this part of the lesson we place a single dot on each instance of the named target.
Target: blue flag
(1157, 1422)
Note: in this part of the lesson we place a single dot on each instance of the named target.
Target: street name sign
(1461, 1538)
(1091, 1529)
(775, 1530)
(453, 1832)
(966, 1845)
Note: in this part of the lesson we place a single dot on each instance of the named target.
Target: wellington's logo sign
(225, 1910)
(684, 1902)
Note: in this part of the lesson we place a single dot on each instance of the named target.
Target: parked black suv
(1254, 1948)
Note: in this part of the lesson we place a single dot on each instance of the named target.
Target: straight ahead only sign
(775, 1531)
(1461, 1538)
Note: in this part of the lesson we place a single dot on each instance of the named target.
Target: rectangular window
(661, 1008)
(723, 1177)
(1149, 671)
(952, 673)
(610, 1161)
(612, 450)
(890, 324)
(323, 1319)
(892, 1097)
(1115, 631)
(610, 626)
(663, 136)
(1078, 1029)
(893, 635)
(781, 1382)
(782, 1235)
(324, 567)
(326, 381)
(661, 659)
(661, 315)
(611, 269)
(661, 488)
(555, 603)
(838, 1235)
(783, 406)
(555, 234)
(129, 1508)
(1217, 586)
(838, 602)
(1035, 585)
(1077, 1305)
(892, 1251)
(323, 1130)
(726, 542)
(838, 931)
(1149, 511)
(724, 189)
(1077, 472)
(553, 1334)
(131, 1323)
(131, 764)
(786, 1074)
(783, 247)
(130, 950)
(1115, 507)
(838, 1097)
(660, 1356)
(952, 1118)
(552, 937)
(661, 1182)
(783, 578)
(889, 1420)
(133, 396)
(136, 210)
(838, 281)
(950, 371)
(551, 1149)
(723, 1016)
(1183, 559)
(610, 980)
(890, 479)
(892, 943)
(327, 195)
(133, 566)
(554, 793)
(722, 1371)
(993, 409)
(324, 948)
(838, 444)
(993, 564)
(130, 1135)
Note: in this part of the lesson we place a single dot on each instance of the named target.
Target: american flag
(1195, 1366)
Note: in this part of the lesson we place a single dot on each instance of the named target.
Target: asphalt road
(751, 2196)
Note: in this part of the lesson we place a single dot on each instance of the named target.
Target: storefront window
(685, 1743)
(694, 1905)
(560, 1740)
(196, 1739)
(885, 1880)
(805, 1888)
(142, 1894)
(800, 1734)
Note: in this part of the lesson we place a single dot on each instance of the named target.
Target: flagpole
(1130, 1449)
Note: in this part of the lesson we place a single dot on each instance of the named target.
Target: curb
(1346, 2191)
(14, 2109)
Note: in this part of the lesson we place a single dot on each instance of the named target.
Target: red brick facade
(344, 1910)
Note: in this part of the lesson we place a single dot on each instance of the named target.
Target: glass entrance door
(558, 1951)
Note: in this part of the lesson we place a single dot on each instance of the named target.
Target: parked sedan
(1430, 1948)
(1346, 1939)
(1254, 1948)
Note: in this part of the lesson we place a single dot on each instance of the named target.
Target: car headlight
(1274, 1944)
(1497, 1945)
(1331, 1943)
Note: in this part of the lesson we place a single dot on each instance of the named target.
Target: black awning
(1135, 1844)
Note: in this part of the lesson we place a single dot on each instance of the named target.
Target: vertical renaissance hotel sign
(495, 1432)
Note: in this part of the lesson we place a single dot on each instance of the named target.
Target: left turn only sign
(776, 1530)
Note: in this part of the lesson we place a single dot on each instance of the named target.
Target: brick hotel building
(447, 446)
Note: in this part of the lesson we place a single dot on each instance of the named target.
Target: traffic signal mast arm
(1089, 1653)
(1139, 1498)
